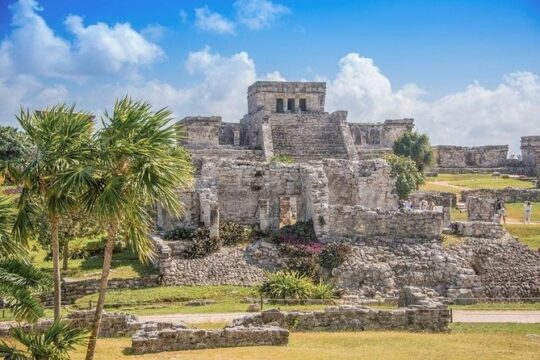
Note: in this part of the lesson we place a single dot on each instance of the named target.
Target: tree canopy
(415, 146)
(407, 175)
(14, 144)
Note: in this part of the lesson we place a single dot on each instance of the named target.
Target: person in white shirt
(528, 212)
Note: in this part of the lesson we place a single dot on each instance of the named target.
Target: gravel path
(458, 316)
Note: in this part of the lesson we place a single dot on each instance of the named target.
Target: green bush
(333, 255)
(232, 233)
(323, 291)
(178, 233)
(286, 285)
(201, 244)
(77, 250)
(408, 177)
(416, 147)
(306, 265)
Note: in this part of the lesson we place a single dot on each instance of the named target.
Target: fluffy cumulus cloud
(475, 115)
(209, 21)
(259, 14)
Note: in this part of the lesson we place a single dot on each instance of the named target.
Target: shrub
(201, 244)
(306, 265)
(178, 233)
(416, 147)
(286, 285)
(300, 233)
(323, 291)
(232, 233)
(333, 255)
(77, 250)
(407, 176)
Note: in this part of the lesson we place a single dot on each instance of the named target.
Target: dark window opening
(302, 105)
(279, 105)
(290, 105)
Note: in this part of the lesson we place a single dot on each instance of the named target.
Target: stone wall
(491, 156)
(200, 130)
(379, 135)
(152, 340)
(357, 222)
(445, 200)
(355, 318)
(479, 229)
(227, 266)
(529, 146)
(481, 209)
(509, 195)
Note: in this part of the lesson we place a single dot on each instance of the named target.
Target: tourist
(528, 212)
(500, 210)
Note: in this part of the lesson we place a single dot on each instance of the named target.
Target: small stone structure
(491, 156)
(530, 145)
(510, 195)
(481, 209)
(479, 229)
(419, 313)
(151, 339)
(112, 324)
(444, 200)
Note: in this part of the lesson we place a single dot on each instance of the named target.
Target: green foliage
(292, 285)
(232, 233)
(301, 232)
(333, 255)
(416, 147)
(282, 159)
(14, 145)
(54, 343)
(201, 244)
(305, 265)
(408, 177)
(178, 233)
(287, 285)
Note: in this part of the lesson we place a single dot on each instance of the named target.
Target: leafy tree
(137, 165)
(415, 146)
(407, 175)
(54, 343)
(62, 142)
(14, 145)
(18, 279)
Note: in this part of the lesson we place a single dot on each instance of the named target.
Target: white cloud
(153, 32)
(474, 116)
(207, 20)
(259, 14)
(32, 48)
(183, 16)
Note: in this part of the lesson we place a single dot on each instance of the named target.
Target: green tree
(62, 142)
(415, 146)
(138, 165)
(407, 175)
(18, 279)
(14, 145)
(54, 343)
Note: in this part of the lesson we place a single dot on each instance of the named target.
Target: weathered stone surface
(490, 156)
(510, 195)
(354, 318)
(149, 339)
(479, 229)
(481, 209)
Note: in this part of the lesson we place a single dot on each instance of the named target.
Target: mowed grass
(125, 265)
(455, 183)
(527, 234)
(516, 211)
(466, 341)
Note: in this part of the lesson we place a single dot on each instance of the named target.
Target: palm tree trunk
(56, 267)
(107, 257)
(65, 255)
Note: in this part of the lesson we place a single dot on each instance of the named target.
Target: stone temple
(334, 178)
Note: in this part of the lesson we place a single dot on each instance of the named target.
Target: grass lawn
(454, 183)
(467, 341)
(528, 234)
(125, 265)
(516, 212)
(456, 215)
(499, 306)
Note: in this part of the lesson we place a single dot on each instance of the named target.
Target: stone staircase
(308, 137)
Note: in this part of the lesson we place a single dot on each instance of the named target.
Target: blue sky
(467, 71)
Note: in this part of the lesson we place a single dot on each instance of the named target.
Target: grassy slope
(467, 341)
(444, 182)
(528, 234)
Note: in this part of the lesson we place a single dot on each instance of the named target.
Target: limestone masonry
(288, 161)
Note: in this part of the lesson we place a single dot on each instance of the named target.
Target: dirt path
(465, 316)
(446, 183)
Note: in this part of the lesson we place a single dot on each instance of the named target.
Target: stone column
(214, 221)
(264, 215)
(236, 137)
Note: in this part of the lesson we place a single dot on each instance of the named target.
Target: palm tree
(54, 343)
(62, 141)
(138, 165)
(18, 279)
